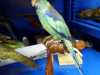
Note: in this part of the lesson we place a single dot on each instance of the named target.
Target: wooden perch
(49, 65)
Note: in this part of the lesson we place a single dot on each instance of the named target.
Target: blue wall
(13, 7)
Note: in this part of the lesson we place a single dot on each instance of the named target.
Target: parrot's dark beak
(34, 2)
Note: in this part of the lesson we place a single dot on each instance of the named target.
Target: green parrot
(55, 25)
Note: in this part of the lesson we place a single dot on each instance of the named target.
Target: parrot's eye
(61, 41)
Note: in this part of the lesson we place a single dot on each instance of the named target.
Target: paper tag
(66, 59)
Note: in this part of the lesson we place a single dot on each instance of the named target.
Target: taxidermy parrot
(55, 25)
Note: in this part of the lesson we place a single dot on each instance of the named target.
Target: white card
(31, 51)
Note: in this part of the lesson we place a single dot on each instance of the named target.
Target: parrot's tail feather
(77, 64)
(70, 48)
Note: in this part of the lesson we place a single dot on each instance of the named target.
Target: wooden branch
(49, 66)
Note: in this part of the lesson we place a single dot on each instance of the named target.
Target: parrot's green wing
(53, 22)
(44, 22)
